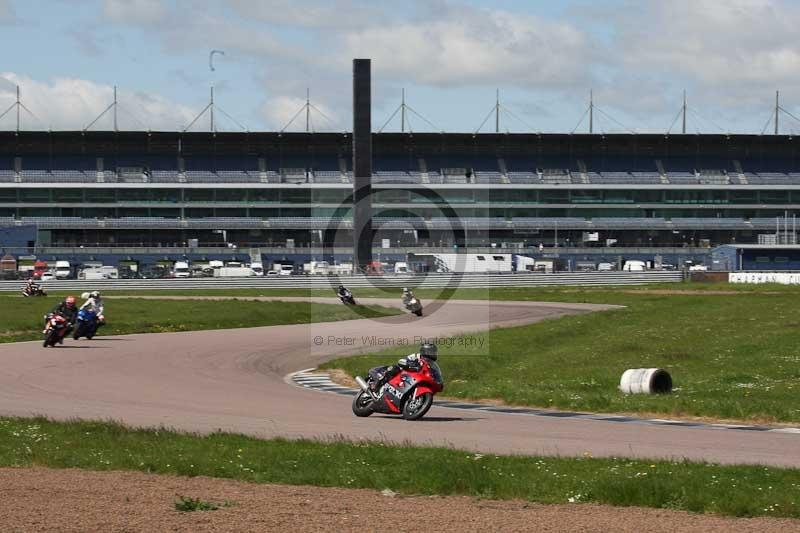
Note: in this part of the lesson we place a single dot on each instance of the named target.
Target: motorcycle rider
(95, 303)
(31, 287)
(382, 374)
(344, 292)
(68, 310)
(407, 295)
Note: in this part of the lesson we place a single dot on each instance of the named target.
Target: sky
(451, 57)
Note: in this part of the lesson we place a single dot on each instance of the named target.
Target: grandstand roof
(231, 143)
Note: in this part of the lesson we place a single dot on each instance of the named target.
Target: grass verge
(21, 319)
(695, 487)
(731, 356)
(428, 294)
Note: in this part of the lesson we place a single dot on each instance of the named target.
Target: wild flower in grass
(574, 499)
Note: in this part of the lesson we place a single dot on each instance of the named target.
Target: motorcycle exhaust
(364, 386)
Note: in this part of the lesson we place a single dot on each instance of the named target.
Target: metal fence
(531, 279)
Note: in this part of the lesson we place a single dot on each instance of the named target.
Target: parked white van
(63, 270)
(634, 266)
(181, 269)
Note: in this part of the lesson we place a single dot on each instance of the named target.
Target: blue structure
(17, 237)
(756, 257)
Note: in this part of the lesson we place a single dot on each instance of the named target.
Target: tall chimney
(362, 164)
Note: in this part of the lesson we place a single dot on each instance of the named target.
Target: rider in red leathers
(381, 374)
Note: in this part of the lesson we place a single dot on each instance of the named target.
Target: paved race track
(234, 380)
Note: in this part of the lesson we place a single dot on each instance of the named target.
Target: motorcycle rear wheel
(362, 404)
(416, 408)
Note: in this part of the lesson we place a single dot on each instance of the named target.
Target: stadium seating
(225, 223)
(524, 178)
(327, 176)
(488, 177)
(708, 223)
(550, 223)
(394, 176)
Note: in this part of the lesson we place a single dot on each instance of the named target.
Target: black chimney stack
(362, 164)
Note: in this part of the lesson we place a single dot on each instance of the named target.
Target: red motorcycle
(55, 329)
(410, 393)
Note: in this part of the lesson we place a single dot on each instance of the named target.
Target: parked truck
(317, 268)
(39, 268)
(233, 272)
(8, 267)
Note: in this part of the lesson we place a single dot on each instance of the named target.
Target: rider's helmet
(95, 294)
(405, 290)
(70, 301)
(341, 288)
(429, 350)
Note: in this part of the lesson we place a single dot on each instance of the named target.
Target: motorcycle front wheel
(50, 338)
(362, 404)
(415, 408)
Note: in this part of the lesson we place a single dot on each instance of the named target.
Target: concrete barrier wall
(784, 278)
(328, 282)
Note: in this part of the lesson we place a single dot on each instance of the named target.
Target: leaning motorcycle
(413, 305)
(86, 324)
(410, 393)
(347, 298)
(36, 291)
(55, 329)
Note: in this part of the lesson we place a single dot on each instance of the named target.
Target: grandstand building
(294, 190)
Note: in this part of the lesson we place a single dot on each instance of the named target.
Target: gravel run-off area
(41, 499)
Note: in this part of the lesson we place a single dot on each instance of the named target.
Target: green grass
(696, 487)
(186, 504)
(21, 318)
(428, 294)
(732, 357)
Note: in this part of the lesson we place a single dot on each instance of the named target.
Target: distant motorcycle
(86, 324)
(410, 393)
(55, 329)
(347, 298)
(33, 291)
(413, 305)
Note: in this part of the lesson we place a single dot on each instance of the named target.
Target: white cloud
(72, 103)
(736, 50)
(134, 11)
(476, 47)
(310, 14)
(278, 111)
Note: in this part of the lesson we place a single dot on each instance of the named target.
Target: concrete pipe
(645, 381)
